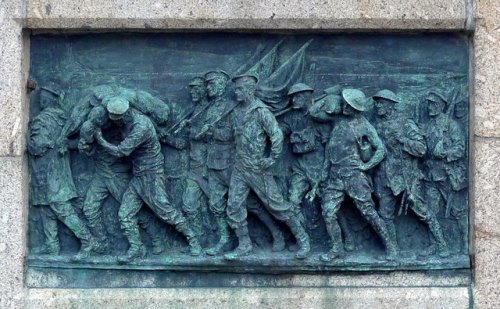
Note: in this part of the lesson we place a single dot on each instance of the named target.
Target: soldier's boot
(194, 243)
(136, 249)
(391, 230)
(346, 231)
(50, 248)
(301, 236)
(224, 239)
(378, 224)
(278, 237)
(336, 251)
(97, 227)
(158, 245)
(244, 244)
(77, 226)
(437, 234)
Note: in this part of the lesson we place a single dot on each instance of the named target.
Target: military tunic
(253, 126)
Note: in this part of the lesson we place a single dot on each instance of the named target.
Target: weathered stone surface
(252, 298)
(487, 72)
(487, 271)
(487, 223)
(486, 187)
(261, 14)
(11, 84)
(12, 230)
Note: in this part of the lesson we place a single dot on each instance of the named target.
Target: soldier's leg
(237, 214)
(191, 203)
(218, 183)
(67, 214)
(152, 226)
(49, 225)
(268, 192)
(254, 206)
(346, 232)
(459, 212)
(331, 202)
(296, 193)
(92, 206)
(152, 191)
(387, 209)
(127, 214)
(429, 218)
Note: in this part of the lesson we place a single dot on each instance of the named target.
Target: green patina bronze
(249, 153)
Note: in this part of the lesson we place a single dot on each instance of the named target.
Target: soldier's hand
(266, 163)
(311, 195)
(62, 147)
(179, 143)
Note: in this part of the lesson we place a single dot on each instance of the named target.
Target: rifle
(207, 127)
(178, 126)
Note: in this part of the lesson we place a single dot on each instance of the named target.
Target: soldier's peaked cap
(356, 98)
(197, 81)
(388, 95)
(210, 75)
(299, 87)
(436, 97)
(117, 105)
(245, 78)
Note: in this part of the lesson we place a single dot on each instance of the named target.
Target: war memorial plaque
(252, 153)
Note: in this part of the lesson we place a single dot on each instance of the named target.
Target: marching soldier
(52, 186)
(140, 143)
(446, 170)
(254, 125)
(308, 138)
(348, 157)
(218, 130)
(398, 177)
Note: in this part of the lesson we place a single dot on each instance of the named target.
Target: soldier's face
(382, 107)
(461, 109)
(197, 93)
(117, 119)
(215, 87)
(300, 100)
(241, 93)
(435, 108)
(347, 109)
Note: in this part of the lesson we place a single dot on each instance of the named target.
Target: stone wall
(385, 290)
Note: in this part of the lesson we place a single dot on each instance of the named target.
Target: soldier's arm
(37, 142)
(135, 138)
(456, 149)
(271, 127)
(414, 142)
(377, 144)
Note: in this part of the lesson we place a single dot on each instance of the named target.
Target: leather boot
(301, 236)
(194, 244)
(244, 244)
(336, 251)
(97, 227)
(81, 231)
(136, 249)
(436, 232)
(224, 239)
(347, 233)
(379, 226)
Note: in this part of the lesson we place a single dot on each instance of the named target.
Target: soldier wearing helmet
(398, 178)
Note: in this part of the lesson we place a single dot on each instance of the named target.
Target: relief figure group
(337, 156)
